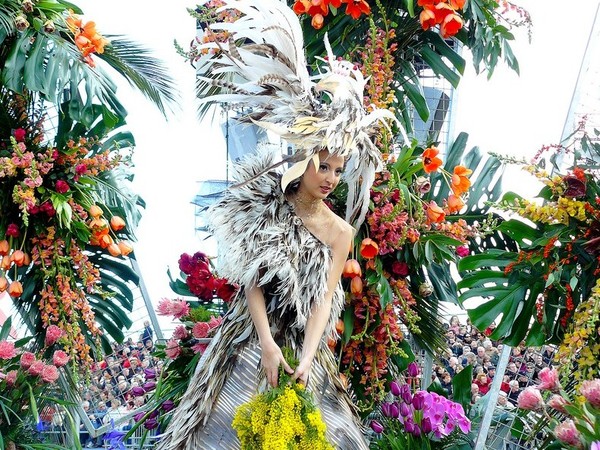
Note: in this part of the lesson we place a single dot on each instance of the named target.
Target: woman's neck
(306, 206)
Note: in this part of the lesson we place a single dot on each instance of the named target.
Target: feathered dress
(262, 241)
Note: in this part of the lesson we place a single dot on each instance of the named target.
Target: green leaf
(5, 330)
(386, 295)
(12, 73)
(33, 72)
(461, 387)
(438, 66)
(348, 325)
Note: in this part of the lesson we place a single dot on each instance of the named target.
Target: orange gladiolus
(117, 223)
(451, 25)
(4, 247)
(435, 214)
(3, 284)
(126, 248)
(460, 182)
(431, 162)
(18, 257)
(356, 286)
(455, 203)
(114, 249)
(95, 211)
(351, 269)
(15, 289)
(427, 18)
(369, 248)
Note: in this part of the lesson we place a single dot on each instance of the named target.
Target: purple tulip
(168, 405)
(139, 416)
(413, 369)
(377, 427)
(418, 400)
(151, 424)
(149, 386)
(154, 414)
(405, 393)
(138, 391)
(417, 431)
(426, 425)
(385, 409)
(394, 410)
(405, 410)
(395, 388)
(409, 426)
(150, 373)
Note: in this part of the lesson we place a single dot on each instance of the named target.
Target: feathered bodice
(262, 241)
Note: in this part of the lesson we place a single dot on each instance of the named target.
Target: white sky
(509, 114)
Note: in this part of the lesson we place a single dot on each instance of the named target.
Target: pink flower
(200, 330)
(567, 433)
(214, 322)
(180, 308)
(462, 251)
(530, 398)
(53, 334)
(172, 349)
(49, 373)
(80, 168)
(558, 403)
(27, 359)
(60, 358)
(61, 186)
(13, 230)
(548, 380)
(180, 333)
(11, 377)
(164, 307)
(36, 368)
(590, 389)
(400, 268)
(7, 350)
(19, 134)
(199, 348)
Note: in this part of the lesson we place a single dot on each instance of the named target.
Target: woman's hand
(271, 359)
(303, 370)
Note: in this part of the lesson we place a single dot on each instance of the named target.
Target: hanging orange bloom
(351, 269)
(355, 8)
(441, 11)
(457, 4)
(427, 18)
(125, 247)
(369, 248)
(460, 183)
(455, 203)
(117, 223)
(15, 289)
(451, 24)
(431, 162)
(3, 284)
(4, 247)
(356, 286)
(317, 21)
(435, 214)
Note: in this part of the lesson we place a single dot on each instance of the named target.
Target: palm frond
(143, 71)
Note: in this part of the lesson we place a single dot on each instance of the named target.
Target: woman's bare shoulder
(341, 232)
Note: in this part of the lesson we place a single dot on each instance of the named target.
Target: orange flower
(351, 269)
(455, 203)
(355, 8)
(427, 2)
(6, 263)
(451, 25)
(114, 249)
(126, 248)
(457, 4)
(442, 10)
(460, 181)
(369, 248)
(105, 240)
(15, 289)
(95, 211)
(3, 284)
(427, 18)
(431, 162)
(356, 286)
(301, 6)
(340, 326)
(317, 21)
(18, 257)
(4, 247)
(435, 214)
(117, 223)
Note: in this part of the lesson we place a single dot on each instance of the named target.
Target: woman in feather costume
(276, 238)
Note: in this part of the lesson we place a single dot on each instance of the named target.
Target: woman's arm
(316, 323)
(271, 356)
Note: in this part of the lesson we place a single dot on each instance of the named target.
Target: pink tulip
(549, 380)
(567, 433)
(590, 389)
(530, 398)
(558, 403)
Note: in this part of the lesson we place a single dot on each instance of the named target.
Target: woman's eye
(322, 167)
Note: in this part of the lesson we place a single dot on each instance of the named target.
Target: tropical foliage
(64, 162)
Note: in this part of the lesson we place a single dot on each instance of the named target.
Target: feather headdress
(261, 67)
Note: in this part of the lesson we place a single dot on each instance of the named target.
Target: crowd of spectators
(469, 346)
(118, 384)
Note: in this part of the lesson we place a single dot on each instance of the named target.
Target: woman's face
(320, 182)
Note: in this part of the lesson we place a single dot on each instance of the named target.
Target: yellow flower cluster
(580, 348)
(553, 212)
(285, 421)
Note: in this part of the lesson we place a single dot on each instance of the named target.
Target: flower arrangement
(417, 418)
(574, 423)
(25, 379)
(441, 13)
(86, 38)
(404, 233)
(283, 417)
(50, 214)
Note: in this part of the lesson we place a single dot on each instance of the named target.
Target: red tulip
(369, 248)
